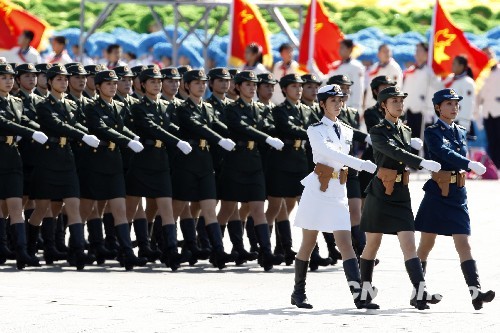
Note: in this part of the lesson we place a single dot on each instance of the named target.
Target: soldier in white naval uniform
(354, 70)
(323, 206)
(385, 66)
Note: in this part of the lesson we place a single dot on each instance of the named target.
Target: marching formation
(79, 148)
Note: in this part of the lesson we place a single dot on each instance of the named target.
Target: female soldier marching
(323, 205)
(387, 207)
(12, 124)
(443, 210)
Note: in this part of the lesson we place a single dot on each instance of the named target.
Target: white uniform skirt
(323, 211)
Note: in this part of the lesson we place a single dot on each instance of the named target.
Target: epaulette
(70, 102)
(164, 102)
(461, 127)
(317, 124)
(436, 125)
(352, 109)
(119, 103)
(407, 127)
(259, 104)
(379, 125)
(15, 98)
(133, 100)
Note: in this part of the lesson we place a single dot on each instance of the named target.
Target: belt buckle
(203, 144)
(297, 144)
(158, 144)
(62, 141)
(453, 179)
(9, 140)
(335, 175)
(251, 145)
(399, 177)
(112, 146)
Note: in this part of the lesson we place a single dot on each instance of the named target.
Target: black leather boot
(188, 229)
(278, 248)
(333, 253)
(127, 255)
(316, 260)
(33, 233)
(424, 267)
(252, 238)
(5, 252)
(110, 240)
(50, 251)
(241, 256)
(266, 258)
(366, 270)
(361, 299)
(157, 234)
(170, 254)
(141, 234)
(358, 240)
(76, 251)
(299, 298)
(471, 276)
(39, 241)
(60, 232)
(284, 231)
(421, 298)
(203, 239)
(96, 240)
(218, 258)
(23, 259)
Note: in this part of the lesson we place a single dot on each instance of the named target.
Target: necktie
(337, 130)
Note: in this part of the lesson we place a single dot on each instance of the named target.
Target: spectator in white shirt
(386, 66)
(84, 59)
(283, 67)
(114, 56)
(253, 58)
(24, 53)
(59, 55)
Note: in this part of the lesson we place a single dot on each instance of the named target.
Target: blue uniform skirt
(443, 215)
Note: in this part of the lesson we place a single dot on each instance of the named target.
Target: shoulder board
(17, 99)
(260, 105)
(232, 103)
(88, 100)
(461, 127)
(119, 103)
(70, 102)
(379, 125)
(406, 126)
(133, 99)
(436, 125)
(317, 124)
(353, 110)
(164, 103)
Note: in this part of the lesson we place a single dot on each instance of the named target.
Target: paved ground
(240, 299)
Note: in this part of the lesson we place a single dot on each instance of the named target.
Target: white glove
(368, 139)
(275, 143)
(39, 137)
(136, 146)
(184, 147)
(477, 167)
(368, 166)
(136, 138)
(91, 140)
(227, 144)
(430, 165)
(416, 143)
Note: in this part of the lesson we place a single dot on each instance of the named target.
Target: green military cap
(7, 69)
(137, 69)
(93, 69)
(233, 71)
(123, 71)
(310, 78)
(390, 92)
(289, 79)
(107, 75)
(183, 69)
(380, 80)
(340, 80)
(69, 64)
(150, 73)
(170, 73)
(26, 68)
(219, 73)
(77, 70)
(267, 78)
(56, 70)
(194, 74)
(43, 68)
(246, 76)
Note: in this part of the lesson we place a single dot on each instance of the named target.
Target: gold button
(161, 122)
(46, 147)
(400, 162)
(116, 126)
(458, 149)
(95, 150)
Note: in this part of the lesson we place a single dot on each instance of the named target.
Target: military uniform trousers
(11, 179)
(242, 176)
(149, 174)
(387, 214)
(443, 215)
(285, 171)
(101, 174)
(52, 180)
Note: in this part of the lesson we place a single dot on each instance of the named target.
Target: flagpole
(312, 34)
(430, 57)
(230, 44)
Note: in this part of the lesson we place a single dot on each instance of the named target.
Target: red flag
(320, 39)
(447, 41)
(14, 19)
(248, 26)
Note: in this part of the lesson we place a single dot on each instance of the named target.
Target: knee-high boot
(218, 258)
(421, 298)
(141, 234)
(333, 253)
(127, 256)
(352, 274)
(50, 251)
(23, 259)
(235, 230)
(252, 238)
(299, 298)
(267, 258)
(5, 252)
(284, 231)
(471, 276)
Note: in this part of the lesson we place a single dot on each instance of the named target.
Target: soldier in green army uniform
(287, 167)
(310, 96)
(265, 89)
(41, 80)
(387, 207)
(90, 90)
(182, 94)
(242, 175)
(149, 173)
(170, 85)
(12, 124)
(193, 178)
(231, 94)
(136, 83)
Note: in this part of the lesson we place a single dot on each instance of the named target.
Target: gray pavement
(241, 299)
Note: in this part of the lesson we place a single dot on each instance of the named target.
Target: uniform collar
(442, 123)
(4, 99)
(329, 122)
(150, 100)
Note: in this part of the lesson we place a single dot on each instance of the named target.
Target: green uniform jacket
(28, 147)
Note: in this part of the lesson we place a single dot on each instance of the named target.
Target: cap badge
(174, 71)
(452, 92)
(156, 71)
(8, 67)
(270, 76)
(251, 74)
(30, 66)
(112, 74)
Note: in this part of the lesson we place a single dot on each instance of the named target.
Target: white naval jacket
(328, 149)
(489, 96)
(464, 86)
(355, 71)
